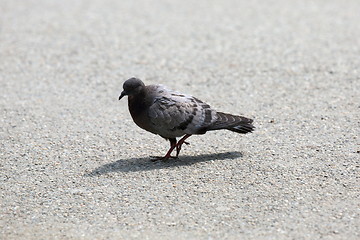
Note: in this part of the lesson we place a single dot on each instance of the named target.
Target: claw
(157, 158)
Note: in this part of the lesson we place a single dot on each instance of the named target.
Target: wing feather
(173, 114)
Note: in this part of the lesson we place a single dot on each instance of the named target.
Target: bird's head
(132, 86)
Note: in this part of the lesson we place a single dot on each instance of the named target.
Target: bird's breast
(138, 112)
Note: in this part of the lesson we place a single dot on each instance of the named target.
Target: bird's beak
(123, 93)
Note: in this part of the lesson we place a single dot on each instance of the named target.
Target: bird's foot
(164, 158)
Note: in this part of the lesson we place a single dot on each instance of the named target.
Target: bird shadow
(145, 164)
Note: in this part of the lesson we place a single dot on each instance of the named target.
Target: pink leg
(168, 154)
(180, 142)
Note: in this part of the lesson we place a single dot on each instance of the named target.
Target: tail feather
(233, 123)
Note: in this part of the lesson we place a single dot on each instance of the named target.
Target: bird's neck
(137, 104)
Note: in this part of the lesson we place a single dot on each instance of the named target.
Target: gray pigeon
(171, 114)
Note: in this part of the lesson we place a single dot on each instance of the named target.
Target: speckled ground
(74, 165)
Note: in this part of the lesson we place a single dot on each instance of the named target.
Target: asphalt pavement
(75, 166)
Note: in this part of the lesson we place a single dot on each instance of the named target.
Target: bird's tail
(233, 123)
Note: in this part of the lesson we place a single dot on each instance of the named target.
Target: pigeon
(172, 114)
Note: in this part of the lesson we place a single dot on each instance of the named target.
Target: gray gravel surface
(75, 166)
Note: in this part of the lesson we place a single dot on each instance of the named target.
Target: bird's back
(173, 114)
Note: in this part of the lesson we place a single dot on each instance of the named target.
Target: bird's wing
(174, 114)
